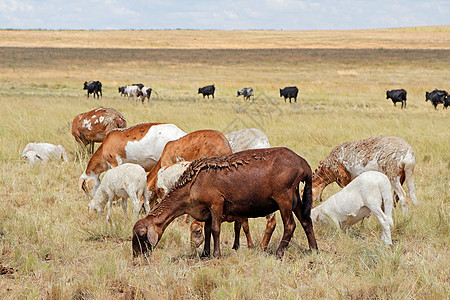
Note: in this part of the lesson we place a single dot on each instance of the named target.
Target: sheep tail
(307, 199)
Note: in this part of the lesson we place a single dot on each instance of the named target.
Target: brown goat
(91, 127)
(247, 184)
(197, 144)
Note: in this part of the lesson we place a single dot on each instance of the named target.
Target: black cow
(93, 87)
(397, 96)
(436, 97)
(247, 93)
(207, 90)
(289, 92)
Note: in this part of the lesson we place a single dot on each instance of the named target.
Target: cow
(146, 92)
(207, 90)
(436, 97)
(289, 92)
(93, 87)
(132, 91)
(141, 144)
(91, 127)
(247, 93)
(397, 96)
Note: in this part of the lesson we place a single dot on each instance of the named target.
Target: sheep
(124, 181)
(366, 194)
(167, 176)
(43, 152)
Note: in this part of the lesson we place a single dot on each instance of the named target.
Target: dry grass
(59, 251)
(434, 37)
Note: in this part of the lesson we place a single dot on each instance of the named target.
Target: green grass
(59, 251)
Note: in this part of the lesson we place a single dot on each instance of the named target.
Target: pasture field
(52, 248)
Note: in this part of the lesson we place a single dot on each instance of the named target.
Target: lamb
(367, 193)
(124, 181)
(167, 176)
(43, 152)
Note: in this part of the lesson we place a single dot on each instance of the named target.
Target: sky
(222, 14)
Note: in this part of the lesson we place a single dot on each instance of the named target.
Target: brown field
(50, 247)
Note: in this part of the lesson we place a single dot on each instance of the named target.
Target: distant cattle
(289, 92)
(93, 87)
(207, 90)
(247, 93)
(397, 96)
(146, 92)
(436, 97)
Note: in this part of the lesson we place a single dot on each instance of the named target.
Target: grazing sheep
(124, 181)
(167, 176)
(390, 155)
(43, 152)
(248, 138)
(368, 193)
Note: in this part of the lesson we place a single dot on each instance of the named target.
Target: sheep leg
(400, 193)
(124, 206)
(109, 204)
(270, 227)
(237, 233)
(207, 246)
(246, 228)
(383, 219)
(134, 197)
(306, 224)
(285, 205)
(409, 177)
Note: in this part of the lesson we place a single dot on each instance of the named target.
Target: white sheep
(167, 176)
(124, 181)
(249, 138)
(43, 152)
(366, 194)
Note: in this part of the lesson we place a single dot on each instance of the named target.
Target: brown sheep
(247, 184)
(91, 127)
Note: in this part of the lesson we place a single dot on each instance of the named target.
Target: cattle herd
(217, 178)
(139, 91)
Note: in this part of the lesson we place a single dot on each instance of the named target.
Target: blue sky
(222, 14)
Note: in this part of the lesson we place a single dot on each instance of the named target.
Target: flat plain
(51, 247)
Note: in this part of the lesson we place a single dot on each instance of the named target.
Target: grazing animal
(132, 91)
(436, 97)
(397, 96)
(207, 90)
(141, 144)
(368, 193)
(93, 87)
(247, 93)
(91, 127)
(43, 152)
(197, 144)
(289, 92)
(145, 92)
(247, 184)
(248, 138)
(167, 177)
(124, 181)
(446, 102)
(389, 155)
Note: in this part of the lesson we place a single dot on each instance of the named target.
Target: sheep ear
(84, 186)
(152, 235)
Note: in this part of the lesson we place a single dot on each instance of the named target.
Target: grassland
(58, 251)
